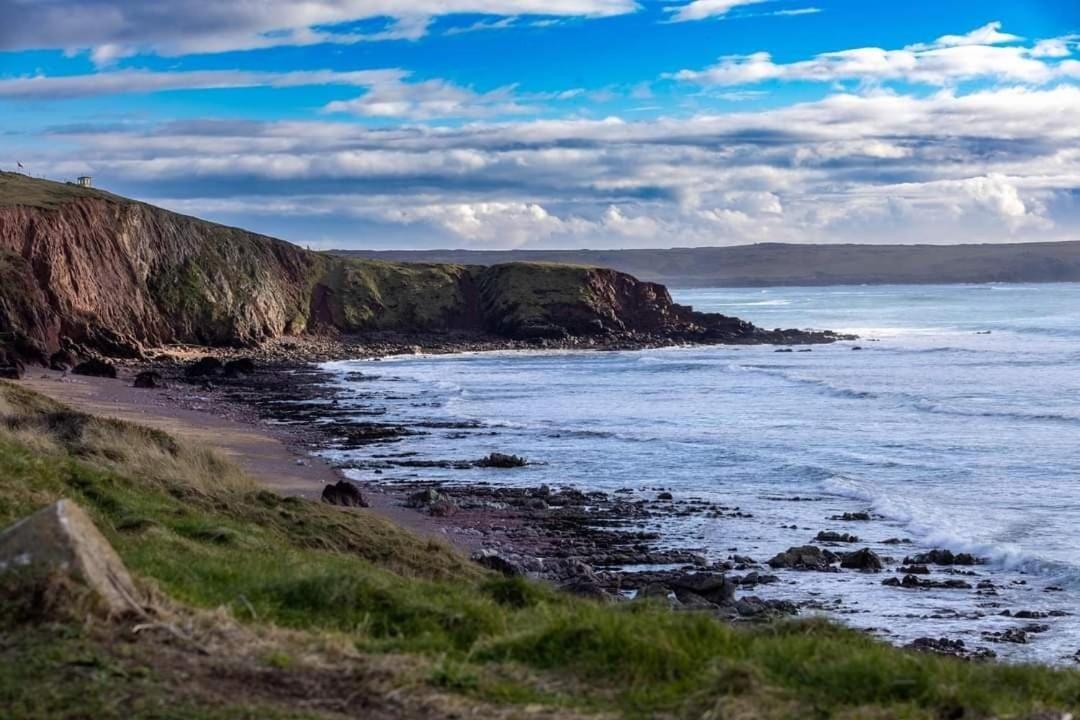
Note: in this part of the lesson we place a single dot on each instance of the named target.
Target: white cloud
(427, 99)
(61, 87)
(1000, 164)
(114, 28)
(702, 9)
(982, 53)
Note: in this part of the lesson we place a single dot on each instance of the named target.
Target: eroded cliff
(89, 270)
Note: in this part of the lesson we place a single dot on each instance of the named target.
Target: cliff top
(17, 189)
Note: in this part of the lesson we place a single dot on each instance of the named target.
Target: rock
(865, 560)
(344, 494)
(238, 367)
(62, 360)
(852, 517)
(665, 496)
(830, 536)
(435, 502)
(61, 542)
(501, 460)
(911, 581)
(11, 367)
(944, 557)
(148, 380)
(954, 648)
(713, 587)
(914, 570)
(805, 557)
(756, 578)
(754, 607)
(1012, 635)
(95, 368)
(494, 561)
(203, 367)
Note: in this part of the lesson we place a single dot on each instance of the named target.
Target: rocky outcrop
(60, 546)
(91, 273)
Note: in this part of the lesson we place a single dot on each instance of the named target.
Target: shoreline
(588, 543)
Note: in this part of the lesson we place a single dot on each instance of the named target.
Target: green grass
(16, 189)
(521, 294)
(197, 528)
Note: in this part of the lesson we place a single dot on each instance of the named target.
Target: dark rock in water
(1012, 635)
(911, 581)
(755, 578)
(914, 570)
(343, 493)
(95, 368)
(954, 648)
(896, 541)
(148, 380)
(203, 367)
(831, 536)
(665, 496)
(62, 360)
(852, 517)
(944, 557)
(238, 367)
(501, 460)
(865, 560)
(805, 557)
(498, 563)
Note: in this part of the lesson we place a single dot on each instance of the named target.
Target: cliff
(85, 269)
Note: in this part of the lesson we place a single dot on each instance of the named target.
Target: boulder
(204, 367)
(61, 543)
(713, 587)
(944, 557)
(148, 380)
(344, 494)
(435, 502)
(805, 557)
(62, 360)
(494, 561)
(865, 560)
(11, 367)
(501, 460)
(95, 368)
(238, 367)
(835, 537)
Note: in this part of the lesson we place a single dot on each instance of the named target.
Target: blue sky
(561, 123)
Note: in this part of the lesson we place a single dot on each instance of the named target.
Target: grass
(194, 526)
(17, 189)
(523, 294)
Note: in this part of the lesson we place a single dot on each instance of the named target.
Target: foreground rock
(865, 560)
(149, 380)
(11, 367)
(344, 494)
(944, 557)
(95, 368)
(61, 546)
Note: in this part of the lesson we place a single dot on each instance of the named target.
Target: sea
(954, 419)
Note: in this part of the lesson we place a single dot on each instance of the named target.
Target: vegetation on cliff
(281, 607)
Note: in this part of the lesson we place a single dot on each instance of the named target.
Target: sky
(497, 124)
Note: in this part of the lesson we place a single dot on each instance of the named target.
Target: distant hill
(779, 264)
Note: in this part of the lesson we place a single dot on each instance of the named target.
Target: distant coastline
(776, 264)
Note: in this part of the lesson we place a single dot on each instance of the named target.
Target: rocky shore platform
(604, 545)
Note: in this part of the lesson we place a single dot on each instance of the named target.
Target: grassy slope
(197, 528)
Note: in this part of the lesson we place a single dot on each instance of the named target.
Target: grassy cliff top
(280, 607)
(16, 189)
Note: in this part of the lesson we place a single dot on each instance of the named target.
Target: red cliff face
(116, 275)
(85, 269)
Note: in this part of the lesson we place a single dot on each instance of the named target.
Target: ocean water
(958, 424)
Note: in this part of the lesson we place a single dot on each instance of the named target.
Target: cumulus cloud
(983, 53)
(115, 28)
(427, 99)
(999, 164)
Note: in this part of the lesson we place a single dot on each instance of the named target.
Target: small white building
(86, 181)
